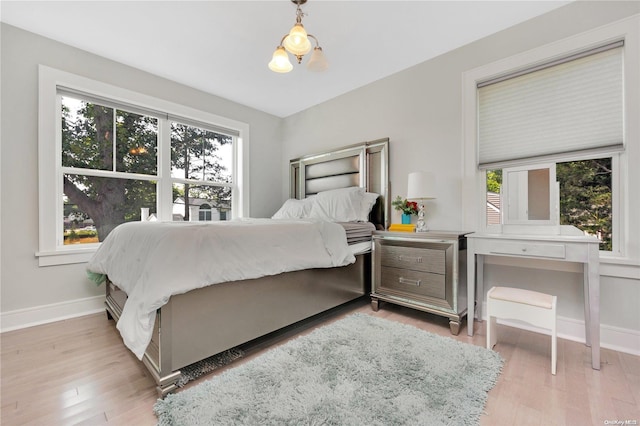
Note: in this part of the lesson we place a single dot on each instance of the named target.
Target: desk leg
(592, 274)
(471, 287)
(479, 285)
(587, 305)
(475, 287)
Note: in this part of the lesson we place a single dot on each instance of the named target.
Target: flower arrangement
(406, 207)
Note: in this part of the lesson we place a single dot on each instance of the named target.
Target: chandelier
(297, 43)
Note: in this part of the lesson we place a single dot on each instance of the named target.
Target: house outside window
(110, 156)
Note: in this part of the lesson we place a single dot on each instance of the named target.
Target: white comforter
(153, 261)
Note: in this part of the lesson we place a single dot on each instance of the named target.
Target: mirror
(523, 196)
(528, 195)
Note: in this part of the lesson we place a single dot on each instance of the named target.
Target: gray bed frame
(204, 322)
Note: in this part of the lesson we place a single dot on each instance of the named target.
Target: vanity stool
(537, 309)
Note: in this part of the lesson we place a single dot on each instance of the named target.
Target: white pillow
(368, 201)
(294, 209)
(338, 205)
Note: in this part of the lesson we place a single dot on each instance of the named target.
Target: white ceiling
(223, 47)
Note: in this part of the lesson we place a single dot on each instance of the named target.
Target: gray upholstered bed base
(210, 320)
(204, 322)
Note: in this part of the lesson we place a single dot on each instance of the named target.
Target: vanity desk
(568, 245)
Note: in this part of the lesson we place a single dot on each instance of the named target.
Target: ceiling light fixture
(297, 43)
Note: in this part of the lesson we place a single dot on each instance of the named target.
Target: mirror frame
(505, 190)
(528, 226)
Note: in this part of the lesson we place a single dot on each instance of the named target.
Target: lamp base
(421, 225)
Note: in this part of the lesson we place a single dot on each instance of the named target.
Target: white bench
(537, 309)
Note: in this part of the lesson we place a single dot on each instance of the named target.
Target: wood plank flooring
(78, 372)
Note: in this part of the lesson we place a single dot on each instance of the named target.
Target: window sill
(619, 267)
(65, 257)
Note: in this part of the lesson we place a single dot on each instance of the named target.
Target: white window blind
(569, 105)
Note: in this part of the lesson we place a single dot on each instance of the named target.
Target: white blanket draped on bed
(151, 261)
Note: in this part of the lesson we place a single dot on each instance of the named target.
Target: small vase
(406, 219)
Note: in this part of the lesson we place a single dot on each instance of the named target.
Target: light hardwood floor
(78, 372)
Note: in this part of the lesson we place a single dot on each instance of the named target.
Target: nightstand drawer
(413, 258)
(417, 283)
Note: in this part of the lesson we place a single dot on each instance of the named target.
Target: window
(565, 107)
(578, 123)
(109, 156)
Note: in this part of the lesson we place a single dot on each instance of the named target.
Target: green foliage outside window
(586, 197)
(494, 180)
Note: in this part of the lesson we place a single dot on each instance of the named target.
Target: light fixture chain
(299, 14)
(297, 43)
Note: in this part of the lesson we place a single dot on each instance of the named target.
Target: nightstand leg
(375, 304)
(454, 326)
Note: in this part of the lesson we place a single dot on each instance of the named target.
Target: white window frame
(51, 252)
(624, 260)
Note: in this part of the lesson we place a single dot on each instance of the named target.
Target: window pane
(205, 202)
(102, 204)
(88, 138)
(200, 154)
(494, 203)
(87, 135)
(586, 200)
(586, 197)
(137, 143)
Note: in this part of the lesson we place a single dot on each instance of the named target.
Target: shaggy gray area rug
(361, 370)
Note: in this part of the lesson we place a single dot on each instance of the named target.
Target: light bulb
(280, 61)
(297, 41)
(318, 61)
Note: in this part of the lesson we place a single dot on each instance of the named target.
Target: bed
(200, 323)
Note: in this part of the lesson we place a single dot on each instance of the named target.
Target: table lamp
(420, 185)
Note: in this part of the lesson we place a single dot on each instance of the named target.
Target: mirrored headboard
(365, 164)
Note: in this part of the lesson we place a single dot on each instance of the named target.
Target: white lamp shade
(421, 186)
(297, 41)
(280, 61)
(318, 61)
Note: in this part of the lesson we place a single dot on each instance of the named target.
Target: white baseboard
(614, 338)
(29, 317)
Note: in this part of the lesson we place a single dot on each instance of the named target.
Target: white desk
(567, 248)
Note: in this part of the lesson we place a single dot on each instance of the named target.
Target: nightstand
(421, 270)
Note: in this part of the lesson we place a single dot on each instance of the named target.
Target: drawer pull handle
(410, 259)
(409, 282)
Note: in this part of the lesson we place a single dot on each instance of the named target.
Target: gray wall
(420, 110)
(24, 284)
